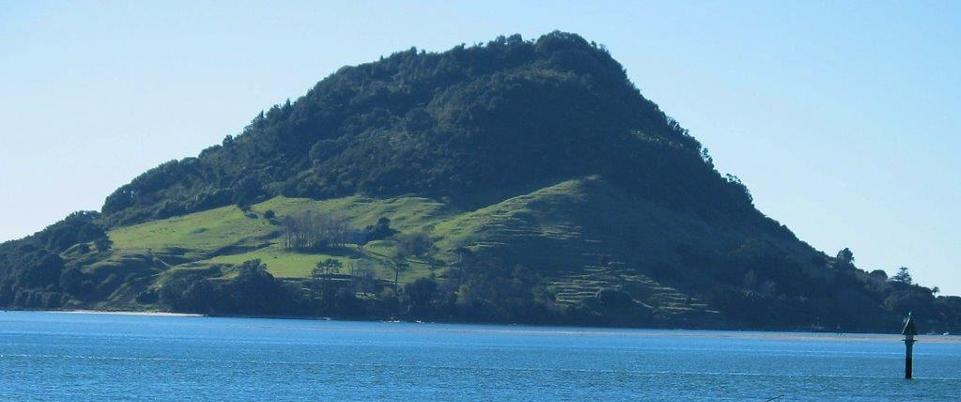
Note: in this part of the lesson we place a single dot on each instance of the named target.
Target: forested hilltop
(514, 181)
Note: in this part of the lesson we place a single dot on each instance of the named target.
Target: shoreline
(119, 312)
(791, 335)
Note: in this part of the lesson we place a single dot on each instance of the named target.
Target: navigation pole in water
(909, 332)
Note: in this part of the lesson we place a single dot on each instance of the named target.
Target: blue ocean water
(76, 356)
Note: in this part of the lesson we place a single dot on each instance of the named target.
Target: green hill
(516, 181)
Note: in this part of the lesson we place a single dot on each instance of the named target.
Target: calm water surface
(69, 356)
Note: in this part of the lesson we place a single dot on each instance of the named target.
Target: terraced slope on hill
(547, 229)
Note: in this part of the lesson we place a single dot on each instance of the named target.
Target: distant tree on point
(845, 257)
(903, 276)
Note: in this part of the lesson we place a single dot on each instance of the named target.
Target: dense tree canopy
(447, 124)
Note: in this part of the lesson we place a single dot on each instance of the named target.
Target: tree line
(315, 231)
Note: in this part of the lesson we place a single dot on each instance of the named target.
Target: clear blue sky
(843, 118)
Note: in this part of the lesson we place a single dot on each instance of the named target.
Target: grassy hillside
(228, 235)
(581, 235)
